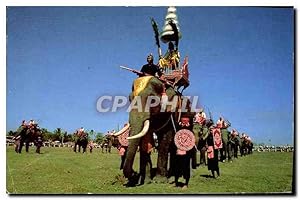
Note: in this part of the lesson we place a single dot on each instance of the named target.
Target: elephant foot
(160, 179)
(185, 187)
(133, 180)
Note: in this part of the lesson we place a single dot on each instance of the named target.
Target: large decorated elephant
(143, 124)
(27, 134)
(80, 140)
(246, 145)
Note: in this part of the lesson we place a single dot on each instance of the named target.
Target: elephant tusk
(143, 132)
(123, 130)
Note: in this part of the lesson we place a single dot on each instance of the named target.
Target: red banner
(217, 138)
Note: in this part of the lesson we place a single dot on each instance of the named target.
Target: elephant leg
(133, 177)
(202, 156)
(131, 151)
(172, 160)
(16, 148)
(194, 158)
(123, 159)
(165, 141)
(229, 155)
(27, 146)
(224, 152)
(21, 146)
(235, 151)
(38, 149)
(145, 166)
(241, 150)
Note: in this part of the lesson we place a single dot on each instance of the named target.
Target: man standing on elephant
(150, 68)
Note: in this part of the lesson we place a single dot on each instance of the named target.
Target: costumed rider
(150, 68)
(221, 123)
(200, 117)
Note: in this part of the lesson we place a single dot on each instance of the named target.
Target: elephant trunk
(134, 143)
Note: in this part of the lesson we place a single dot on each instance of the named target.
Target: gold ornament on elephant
(140, 84)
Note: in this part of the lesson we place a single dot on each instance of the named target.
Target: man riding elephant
(109, 141)
(27, 133)
(80, 139)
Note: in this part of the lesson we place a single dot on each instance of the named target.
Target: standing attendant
(212, 156)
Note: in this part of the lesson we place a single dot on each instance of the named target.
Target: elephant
(224, 152)
(233, 145)
(201, 131)
(80, 139)
(27, 134)
(108, 142)
(246, 145)
(161, 119)
(237, 146)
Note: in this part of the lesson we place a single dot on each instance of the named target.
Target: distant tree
(99, 138)
(91, 134)
(47, 135)
(10, 133)
(68, 137)
(57, 134)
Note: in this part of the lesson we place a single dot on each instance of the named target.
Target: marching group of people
(218, 143)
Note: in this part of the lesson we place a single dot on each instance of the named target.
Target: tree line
(63, 136)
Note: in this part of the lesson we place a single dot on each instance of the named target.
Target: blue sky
(60, 60)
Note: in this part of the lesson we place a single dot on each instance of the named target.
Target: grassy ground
(61, 171)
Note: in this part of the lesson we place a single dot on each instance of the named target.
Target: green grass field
(61, 171)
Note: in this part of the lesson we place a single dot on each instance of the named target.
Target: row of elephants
(165, 125)
(32, 134)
